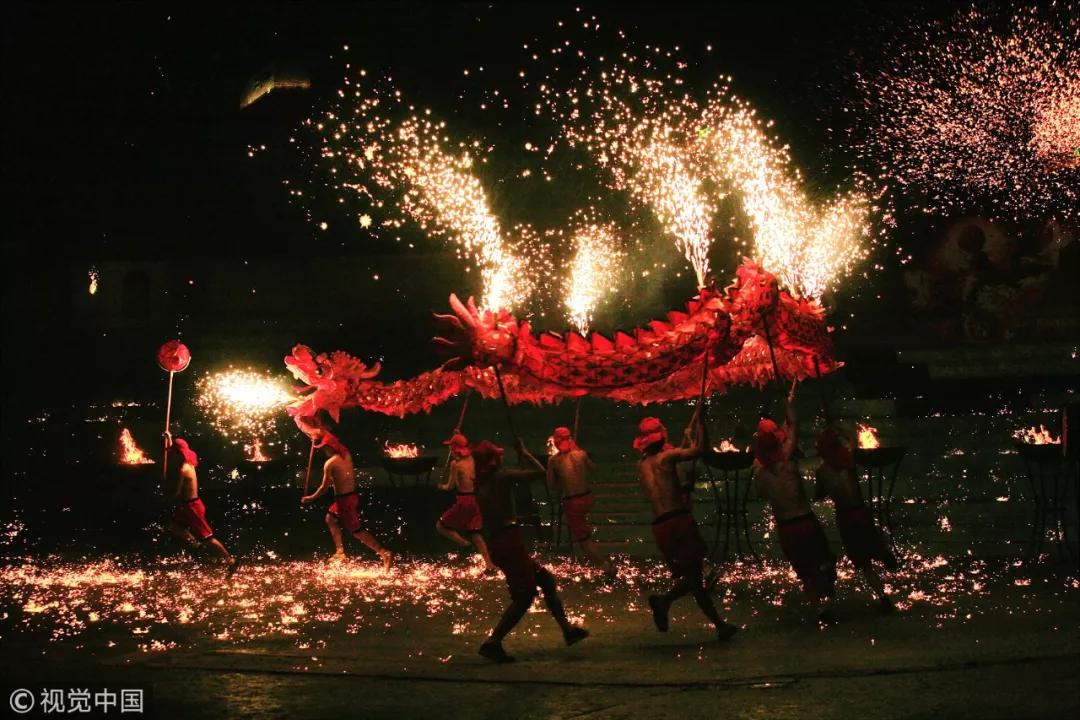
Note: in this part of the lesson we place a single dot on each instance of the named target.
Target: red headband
(769, 443)
(186, 452)
(650, 432)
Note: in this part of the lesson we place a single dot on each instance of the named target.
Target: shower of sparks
(241, 402)
(984, 108)
(93, 276)
(130, 453)
(1036, 436)
(377, 147)
(809, 246)
(592, 273)
(686, 157)
(401, 450)
(255, 452)
(868, 439)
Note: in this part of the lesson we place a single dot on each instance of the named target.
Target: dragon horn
(370, 372)
(459, 308)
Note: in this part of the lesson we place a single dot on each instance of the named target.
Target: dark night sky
(124, 137)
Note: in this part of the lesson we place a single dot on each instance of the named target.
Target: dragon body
(743, 334)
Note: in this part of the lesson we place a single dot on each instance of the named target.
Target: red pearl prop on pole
(172, 357)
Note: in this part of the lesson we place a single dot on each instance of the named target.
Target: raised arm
(451, 478)
(791, 438)
(327, 481)
(551, 478)
(695, 436)
(523, 453)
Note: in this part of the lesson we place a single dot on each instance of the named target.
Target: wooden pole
(457, 429)
(168, 418)
(772, 353)
(506, 404)
(310, 460)
(577, 417)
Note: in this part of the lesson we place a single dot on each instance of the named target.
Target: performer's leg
(571, 633)
(519, 605)
(453, 535)
(594, 553)
(877, 586)
(482, 548)
(546, 581)
(335, 534)
(183, 533)
(369, 540)
(492, 648)
(219, 549)
(705, 602)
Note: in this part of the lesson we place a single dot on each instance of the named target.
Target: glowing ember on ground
(868, 438)
(182, 603)
(255, 452)
(242, 402)
(130, 454)
(1036, 436)
(401, 450)
(726, 446)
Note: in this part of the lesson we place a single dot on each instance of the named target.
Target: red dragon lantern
(731, 330)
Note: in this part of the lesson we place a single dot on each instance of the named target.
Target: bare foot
(337, 557)
(387, 559)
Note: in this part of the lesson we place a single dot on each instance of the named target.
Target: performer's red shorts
(805, 545)
(862, 541)
(508, 552)
(677, 536)
(463, 515)
(346, 508)
(192, 515)
(576, 508)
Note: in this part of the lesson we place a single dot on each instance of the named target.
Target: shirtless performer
(568, 472)
(511, 553)
(463, 517)
(673, 525)
(189, 520)
(862, 541)
(344, 512)
(776, 478)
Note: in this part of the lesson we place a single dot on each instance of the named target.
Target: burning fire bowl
(879, 457)
(728, 461)
(1042, 452)
(419, 465)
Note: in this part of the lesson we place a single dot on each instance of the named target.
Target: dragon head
(474, 337)
(328, 381)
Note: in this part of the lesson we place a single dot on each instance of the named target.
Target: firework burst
(592, 273)
(685, 157)
(379, 147)
(241, 402)
(984, 108)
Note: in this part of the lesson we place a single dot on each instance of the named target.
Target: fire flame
(93, 275)
(1036, 436)
(868, 438)
(726, 446)
(401, 450)
(130, 454)
(255, 452)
